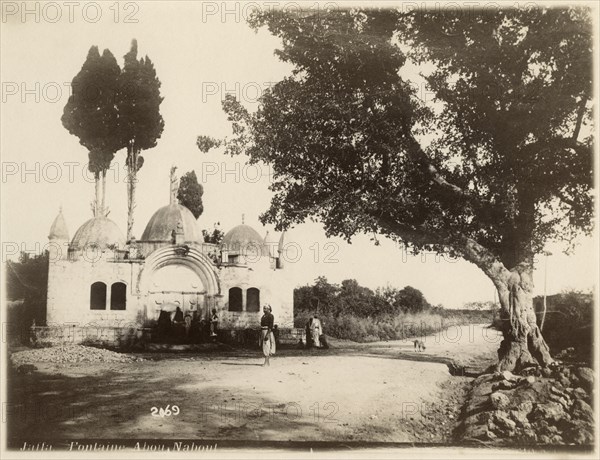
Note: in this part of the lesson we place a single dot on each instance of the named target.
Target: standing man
(316, 331)
(214, 321)
(267, 338)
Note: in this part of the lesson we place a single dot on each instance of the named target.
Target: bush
(569, 322)
(26, 286)
(353, 312)
(387, 327)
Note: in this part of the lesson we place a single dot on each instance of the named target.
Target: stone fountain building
(98, 278)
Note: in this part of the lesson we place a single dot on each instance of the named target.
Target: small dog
(419, 345)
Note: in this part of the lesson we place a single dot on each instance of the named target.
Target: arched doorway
(175, 286)
(186, 280)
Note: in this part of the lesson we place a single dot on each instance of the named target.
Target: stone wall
(128, 337)
(69, 282)
(275, 290)
(113, 337)
(69, 291)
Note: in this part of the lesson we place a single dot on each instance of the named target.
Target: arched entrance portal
(173, 278)
(175, 286)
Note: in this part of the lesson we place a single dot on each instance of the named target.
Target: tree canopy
(190, 193)
(112, 109)
(27, 279)
(214, 236)
(506, 167)
(499, 164)
(91, 114)
(350, 298)
(140, 122)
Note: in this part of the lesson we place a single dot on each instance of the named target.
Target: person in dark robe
(309, 340)
(178, 316)
(214, 322)
(164, 324)
(267, 338)
(188, 324)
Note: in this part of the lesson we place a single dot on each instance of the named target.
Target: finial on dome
(174, 187)
(243, 216)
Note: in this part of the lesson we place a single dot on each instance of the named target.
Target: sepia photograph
(299, 229)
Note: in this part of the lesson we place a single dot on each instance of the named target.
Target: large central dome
(165, 220)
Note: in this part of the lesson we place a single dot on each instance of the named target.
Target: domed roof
(165, 220)
(58, 230)
(242, 236)
(98, 231)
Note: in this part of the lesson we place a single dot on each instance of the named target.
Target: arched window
(118, 296)
(235, 299)
(252, 299)
(98, 296)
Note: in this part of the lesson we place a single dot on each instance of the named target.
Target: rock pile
(69, 354)
(543, 406)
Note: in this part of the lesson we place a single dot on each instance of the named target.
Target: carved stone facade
(96, 279)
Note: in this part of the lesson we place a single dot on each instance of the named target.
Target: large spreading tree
(140, 121)
(91, 115)
(498, 165)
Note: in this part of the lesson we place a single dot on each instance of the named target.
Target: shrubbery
(569, 321)
(26, 292)
(353, 312)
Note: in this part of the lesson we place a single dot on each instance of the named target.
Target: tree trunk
(104, 213)
(96, 206)
(523, 344)
(132, 155)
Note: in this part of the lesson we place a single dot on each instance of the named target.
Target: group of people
(314, 334)
(314, 329)
(174, 325)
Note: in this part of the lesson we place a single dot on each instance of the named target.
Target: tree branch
(415, 150)
(469, 249)
(559, 143)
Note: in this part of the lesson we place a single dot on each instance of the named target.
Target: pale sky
(200, 53)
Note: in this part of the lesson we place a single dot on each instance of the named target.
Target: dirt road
(382, 391)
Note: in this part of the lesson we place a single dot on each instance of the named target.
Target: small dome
(165, 220)
(243, 236)
(58, 230)
(98, 231)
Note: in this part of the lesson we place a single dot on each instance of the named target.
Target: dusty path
(472, 345)
(382, 391)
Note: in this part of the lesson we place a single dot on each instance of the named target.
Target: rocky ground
(26, 359)
(549, 406)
